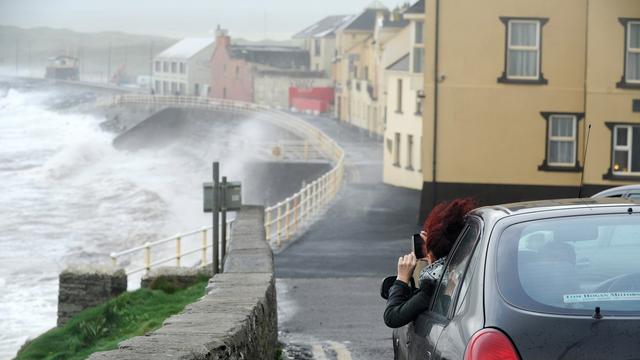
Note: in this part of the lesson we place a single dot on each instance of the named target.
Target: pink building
(233, 67)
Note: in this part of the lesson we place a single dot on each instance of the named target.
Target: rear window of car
(572, 265)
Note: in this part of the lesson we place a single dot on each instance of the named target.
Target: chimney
(222, 37)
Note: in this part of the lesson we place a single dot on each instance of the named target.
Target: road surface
(328, 280)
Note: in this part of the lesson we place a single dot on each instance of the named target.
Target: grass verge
(103, 327)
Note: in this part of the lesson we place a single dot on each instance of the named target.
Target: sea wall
(83, 287)
(237, 319)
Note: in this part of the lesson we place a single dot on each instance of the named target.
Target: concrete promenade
(328, 281)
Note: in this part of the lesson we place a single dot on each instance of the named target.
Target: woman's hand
(406, 265)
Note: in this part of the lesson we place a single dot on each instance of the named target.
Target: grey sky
(179, 18)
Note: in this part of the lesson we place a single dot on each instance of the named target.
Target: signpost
(220, 197)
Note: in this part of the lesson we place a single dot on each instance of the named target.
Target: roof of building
(281, 57)
(325, 27)
(366, 20)
(402, 64)
(186, 48)
(417, 8)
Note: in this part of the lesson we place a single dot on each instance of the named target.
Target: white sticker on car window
(607, 296)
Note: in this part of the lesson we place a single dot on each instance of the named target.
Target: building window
(419, 102)
(196, 89)
(316, 47)
(418, 59)
(183, 68)
(165, 66)
(523, 48)
(181, 89)
(174, 67)
(157, 87)
(626, 150)
(396, 152)
(409, 152)
(165, 87)
(157, 66)
(561, 142)
(631, 75)
(366, 73)
(174, 88)
(399, 99)
(355, 71)
(419, 32)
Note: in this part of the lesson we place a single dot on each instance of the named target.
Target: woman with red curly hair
(439, 232)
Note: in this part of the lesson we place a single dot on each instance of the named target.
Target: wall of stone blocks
(83, 287)
(237, 319)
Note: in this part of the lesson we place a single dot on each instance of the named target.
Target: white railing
(285, 219)
(146, 249)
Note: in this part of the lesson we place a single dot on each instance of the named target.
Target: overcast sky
(251, 19)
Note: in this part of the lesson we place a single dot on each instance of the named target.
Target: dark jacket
(405, 304)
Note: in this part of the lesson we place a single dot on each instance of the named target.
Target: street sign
(230, 199)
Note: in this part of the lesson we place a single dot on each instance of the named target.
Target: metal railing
(286, 218)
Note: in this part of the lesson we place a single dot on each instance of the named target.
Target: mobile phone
(417, 246)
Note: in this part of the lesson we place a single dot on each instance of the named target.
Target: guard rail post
(147, 256)
(178, 250)
(286, 218)
(278, 226)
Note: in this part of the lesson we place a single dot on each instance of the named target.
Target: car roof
(554, 204)
(617, 190)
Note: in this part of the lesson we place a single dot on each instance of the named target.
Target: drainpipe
(435, 102)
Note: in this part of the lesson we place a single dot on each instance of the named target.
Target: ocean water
(67, 196)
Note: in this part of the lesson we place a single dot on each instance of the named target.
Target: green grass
(103, 327)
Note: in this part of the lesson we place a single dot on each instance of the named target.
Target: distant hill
(32, 47)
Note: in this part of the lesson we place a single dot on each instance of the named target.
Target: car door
(423, 334)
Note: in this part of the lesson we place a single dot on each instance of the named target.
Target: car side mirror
(387, 283)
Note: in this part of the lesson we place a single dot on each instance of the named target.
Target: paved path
(328, 280)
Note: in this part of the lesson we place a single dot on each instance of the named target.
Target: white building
(403, 61)
(184, 68)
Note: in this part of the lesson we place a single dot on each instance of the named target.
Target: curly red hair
(444, 223)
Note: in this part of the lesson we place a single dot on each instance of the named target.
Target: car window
(571, 265)
(634, 196)
(453, 274)
(464, 288)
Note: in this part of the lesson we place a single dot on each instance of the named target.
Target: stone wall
(83, 287)
(237, 319)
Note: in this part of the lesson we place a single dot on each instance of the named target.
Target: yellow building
(403, 61)
(357, 67)
(512, 85)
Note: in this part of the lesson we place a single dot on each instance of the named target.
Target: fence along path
(283, 220)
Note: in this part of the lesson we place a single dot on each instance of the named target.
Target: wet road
(328, 280)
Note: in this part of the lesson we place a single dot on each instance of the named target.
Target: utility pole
(216, 220)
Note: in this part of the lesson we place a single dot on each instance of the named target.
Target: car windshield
(572, 265)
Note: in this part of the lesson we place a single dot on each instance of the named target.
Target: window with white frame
(626, 149)
(409, 152)
(174, 67)
(633, 52)
(562, 140)
(396, 153)
(183, 68)
(316, 47)
(165, 66)
(523, 49)
(418, 48)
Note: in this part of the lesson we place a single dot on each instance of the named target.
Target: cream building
(184, 68)
(511, 89)
(320, 40)
(402, 64)
(358, 72)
